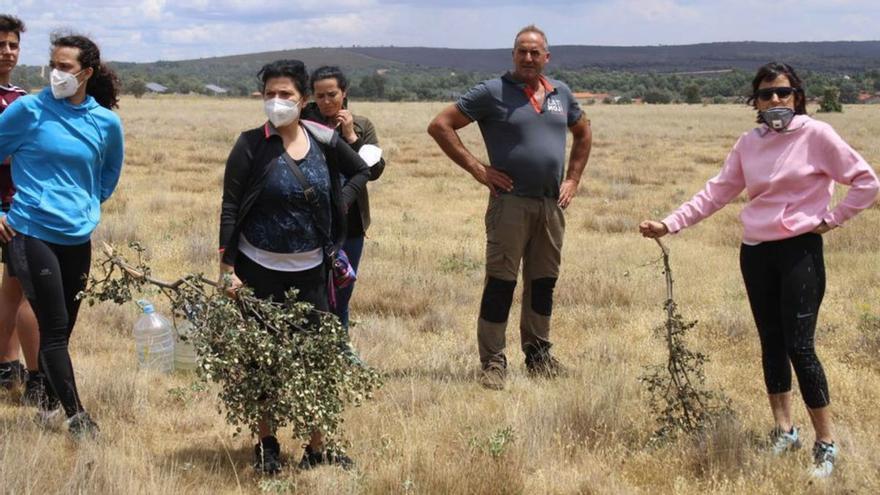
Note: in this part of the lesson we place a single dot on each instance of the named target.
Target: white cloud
(147, 30)
(660, 10)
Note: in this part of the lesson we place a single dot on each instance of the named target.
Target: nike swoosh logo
(805, 315)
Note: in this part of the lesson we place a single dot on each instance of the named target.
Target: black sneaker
(267, 456)
(81, 426)
(12, 374)
(36, 393)
(311, 459)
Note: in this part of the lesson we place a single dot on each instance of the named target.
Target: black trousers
(785, 282)
(51, 276)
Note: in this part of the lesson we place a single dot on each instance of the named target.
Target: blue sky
(149, 30)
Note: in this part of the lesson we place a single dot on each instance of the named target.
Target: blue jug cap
(146, 306)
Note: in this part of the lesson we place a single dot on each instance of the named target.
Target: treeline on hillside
(444, 85)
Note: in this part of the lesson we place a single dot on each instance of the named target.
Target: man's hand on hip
(567, 191)
(492, 178)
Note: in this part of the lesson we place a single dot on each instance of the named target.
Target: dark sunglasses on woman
(784, 92)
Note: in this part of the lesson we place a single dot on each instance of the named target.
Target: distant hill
(833, 56)
(422, 73)
(312, 57)
(823, 56)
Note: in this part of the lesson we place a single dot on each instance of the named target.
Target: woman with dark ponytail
(67, 151)
(102, 85)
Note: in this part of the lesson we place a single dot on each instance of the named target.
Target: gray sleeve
(574, 108)
(477, 103)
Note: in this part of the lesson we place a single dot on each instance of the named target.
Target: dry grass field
(432, 429)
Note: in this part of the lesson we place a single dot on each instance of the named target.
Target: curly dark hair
(294, 70)
(104, 85)
(11, 24)
(771, 71)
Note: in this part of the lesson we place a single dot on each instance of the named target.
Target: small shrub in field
(458, 263)
(496, 444)
(678, 397)
(830, 100)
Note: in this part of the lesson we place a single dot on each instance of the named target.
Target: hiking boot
(12, 374)
(493, 375)
(81, 426)
(824, 457)
(782, 441)
(312, 458)
(544, 365)
(267, 456)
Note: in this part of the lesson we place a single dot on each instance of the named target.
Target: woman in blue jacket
(67, 150)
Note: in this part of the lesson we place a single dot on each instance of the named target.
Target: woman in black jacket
(275, 233)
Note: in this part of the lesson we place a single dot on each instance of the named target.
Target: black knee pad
(497, 298)
(542, 295)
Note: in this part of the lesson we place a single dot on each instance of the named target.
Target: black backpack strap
(308, 189)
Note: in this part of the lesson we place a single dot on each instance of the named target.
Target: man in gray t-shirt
(524, 118)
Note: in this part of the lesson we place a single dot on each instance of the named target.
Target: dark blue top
(281, 220)
(526, 144)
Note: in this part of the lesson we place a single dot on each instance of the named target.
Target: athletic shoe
(36, 393)
(311, 459)
(493, 376)
(12, 374)
(81, 426)
(267, 456)
(351, 355)
(544, 365)
(824, 457)
(49, 418)
(784, 441)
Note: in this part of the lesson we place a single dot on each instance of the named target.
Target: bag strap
(308, 189)
(310, 193)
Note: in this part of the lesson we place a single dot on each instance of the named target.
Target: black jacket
(359, 215)
(247, 170)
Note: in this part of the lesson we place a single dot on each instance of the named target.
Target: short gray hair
(531, 28)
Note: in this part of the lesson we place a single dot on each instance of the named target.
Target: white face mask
(281, 112)
(64, 84)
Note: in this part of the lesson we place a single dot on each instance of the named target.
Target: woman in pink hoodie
(788, 166)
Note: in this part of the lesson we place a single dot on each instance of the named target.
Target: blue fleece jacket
(66, 161)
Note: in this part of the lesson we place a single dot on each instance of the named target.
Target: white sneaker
(784, 441)
(824, 456)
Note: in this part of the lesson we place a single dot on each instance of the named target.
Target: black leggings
(785, 281)
(51, 276)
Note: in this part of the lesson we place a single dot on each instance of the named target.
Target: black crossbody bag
(341, 271)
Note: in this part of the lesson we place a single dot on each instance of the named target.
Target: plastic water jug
(185, 357)
(153, 340)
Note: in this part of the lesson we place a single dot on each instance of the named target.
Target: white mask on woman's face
(64, 84)
(281, 112)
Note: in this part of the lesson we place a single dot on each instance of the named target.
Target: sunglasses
(766, 94)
